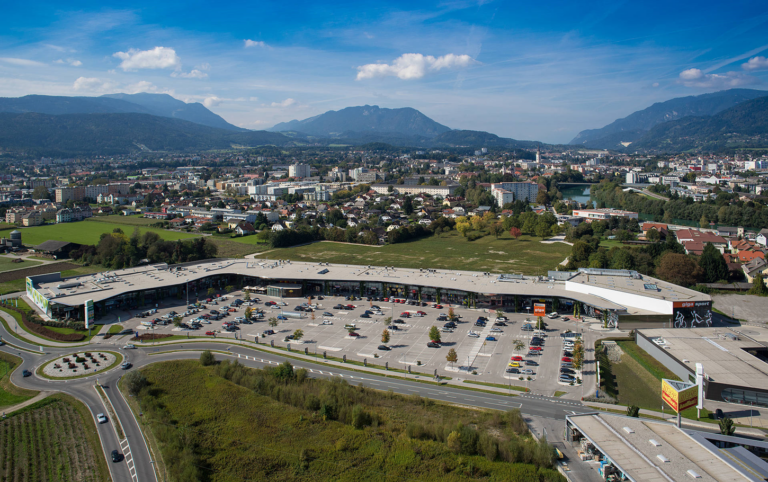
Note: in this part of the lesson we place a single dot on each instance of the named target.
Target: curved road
(137, 465)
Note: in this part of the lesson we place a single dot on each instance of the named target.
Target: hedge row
(41, 330)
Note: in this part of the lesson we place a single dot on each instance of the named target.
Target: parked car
(326, 313)
(490, 338)
(566, 379)
(513, 364)
(281, 317)
(450, 324)
(393, 327)
(567, 371)
(399, 321)
(354, 333)
(327, 322)
(210, 333)
(496, 330)
(535, 348)
(384, 347)
(513, 370)
(528, 371)
(101, 418)
(531, 363)
(365, 315)
(432, 344)
(553, 315)
(268, 332)
(516, 358)
(566, 359)
(473, 334)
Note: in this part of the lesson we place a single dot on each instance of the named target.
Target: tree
(248, 313)
(758, 286)
(177, 321)
(451, 314)
(454, 442)
(704, 222)
(515, 232)
(497, 229)
(247, 296)
(678, 268)
(652, 235)
(385, 336)
(452, 357)
(713, 264)
(434, 334)
(229, 288)
(633, 411)
(621, 259)
(135, 381)
(463, 228)
(298, 334)
(578, 355)
(726, 426)
(41, 192)
(211, 291)
(207, 358)
(542, 197)
(518, 345)
(273, 322)
(540, 325)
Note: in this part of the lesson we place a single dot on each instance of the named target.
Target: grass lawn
(4, 226)
(40, 258)
(525, 255)
(95, 329)
(229, 248)
(7, 264)
(118, 219)
(114, 329)
(252, 239)
(611, 243)
(10, 394)
(84, 232)
(282, 435)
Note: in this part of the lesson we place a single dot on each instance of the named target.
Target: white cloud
(205, 66)
(253, 99)
(414, 66)
(141, 86)
(286, 103)
(211, 101)
(157, 58)
(655, 84)
(727, 80)
(72, 62)
(93, 84)
(254, 43)
(756, 63)
(192, 74)
(21, 62)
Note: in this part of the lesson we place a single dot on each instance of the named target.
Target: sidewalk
(19, 406)
(22, 335)
(673, 418)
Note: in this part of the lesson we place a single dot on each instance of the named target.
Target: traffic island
(80, 364)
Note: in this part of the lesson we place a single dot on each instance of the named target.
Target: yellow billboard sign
(679, 395)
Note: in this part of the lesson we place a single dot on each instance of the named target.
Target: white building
(299, 170)
(526, 191)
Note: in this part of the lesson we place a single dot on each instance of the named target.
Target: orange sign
(540, 309)
(679, 395)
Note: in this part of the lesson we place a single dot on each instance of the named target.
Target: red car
(421, 313)
(535, 348)
(353, 333)
(566, 359)
(218, 295)
(351, 307)
(209, 300)
(517, 358)
(385, 299)
(405, 314)
(211, 333)
(439, 307)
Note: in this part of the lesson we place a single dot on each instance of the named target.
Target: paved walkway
(24, 335)
(19, 406)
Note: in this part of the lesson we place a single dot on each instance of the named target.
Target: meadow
(86, 232)
(7, 264)
(525, 255)
(228, 422)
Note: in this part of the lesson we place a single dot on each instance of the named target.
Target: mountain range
(162, 105)
(629, 129)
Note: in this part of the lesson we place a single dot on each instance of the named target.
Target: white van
(540, 334)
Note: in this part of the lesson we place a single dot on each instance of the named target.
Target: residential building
(590, 215)
(526, 191)
(694, 240)
(442, 191)
(32, 218)
(299, 170)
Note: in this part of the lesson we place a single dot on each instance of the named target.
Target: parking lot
(482, 357)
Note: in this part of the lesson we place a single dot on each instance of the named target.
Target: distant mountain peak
(366, 119)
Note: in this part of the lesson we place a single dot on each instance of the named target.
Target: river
(577, 193)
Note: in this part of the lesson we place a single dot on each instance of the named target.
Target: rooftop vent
(693, 474)
(654, 442)
(662, 458)
(628, 430)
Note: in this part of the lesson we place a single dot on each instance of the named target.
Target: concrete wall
(622, 298)
(660, 354)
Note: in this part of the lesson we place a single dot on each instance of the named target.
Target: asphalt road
(137, 465)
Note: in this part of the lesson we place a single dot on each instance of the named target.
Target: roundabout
(79, 364)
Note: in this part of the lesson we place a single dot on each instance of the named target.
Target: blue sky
(527, 70)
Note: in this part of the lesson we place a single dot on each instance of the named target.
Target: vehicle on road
(116, 456)
(101, 418)
(327, 322)
(126, 365)
(26, 373)
(490, 338)
(553, 315)
(129, 347)
(473, 334)
(384, 347)
(326, 313)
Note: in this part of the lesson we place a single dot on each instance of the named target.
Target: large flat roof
(102, 286)
(650, 451)
(722, 352)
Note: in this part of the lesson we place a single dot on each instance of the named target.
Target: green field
(53, 439)
(524, 255)
(118, 219)
(85, 232)
(10, 394)
(7, 264)
(279, 425)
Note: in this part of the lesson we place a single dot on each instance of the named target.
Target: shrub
(207, 358)
(360, 418)
(135, 381)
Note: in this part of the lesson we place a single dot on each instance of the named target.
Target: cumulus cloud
(287, 102)
(756, 63)
(727, 80)
(21, 62)
(192, 74)
(254, 43)
(211, 101)
(93, 84)
(156, 58)
(141, 86)
(414, 66)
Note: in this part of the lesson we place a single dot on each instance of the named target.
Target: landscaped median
(23, 314)
(80, 365)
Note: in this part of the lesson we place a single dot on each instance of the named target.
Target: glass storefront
(745, 397)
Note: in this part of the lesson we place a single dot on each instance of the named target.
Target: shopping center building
(602, 294)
